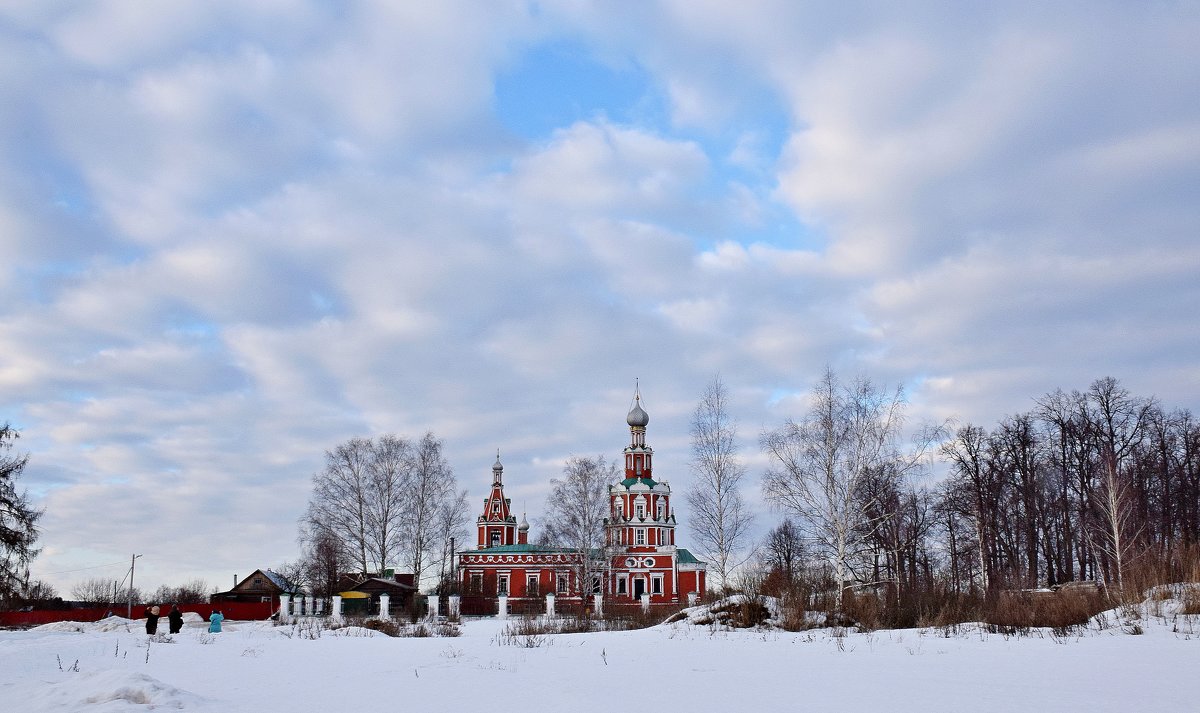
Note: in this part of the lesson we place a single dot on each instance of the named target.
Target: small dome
(637, 415)
(524, 523)
(497, 469)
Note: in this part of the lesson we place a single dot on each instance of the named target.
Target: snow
(254, 666)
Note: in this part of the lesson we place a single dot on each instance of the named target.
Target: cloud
(237, 235)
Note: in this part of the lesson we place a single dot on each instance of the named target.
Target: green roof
(686, 557)
(520, 548)
(630, 481)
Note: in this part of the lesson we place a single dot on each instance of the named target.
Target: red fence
(239, 611)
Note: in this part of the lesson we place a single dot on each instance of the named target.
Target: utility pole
(129, 611)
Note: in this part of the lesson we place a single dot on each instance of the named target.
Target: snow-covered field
(254, 666)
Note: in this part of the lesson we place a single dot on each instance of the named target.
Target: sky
(236, 234)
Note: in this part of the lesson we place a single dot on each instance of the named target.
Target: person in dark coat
(176, 619)
(152, 620)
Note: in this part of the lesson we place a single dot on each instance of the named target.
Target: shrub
(383, 626)
(1064, 610)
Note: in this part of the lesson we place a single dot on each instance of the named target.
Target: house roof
(280, 581)
(377, 583)
(685, 557)
(633, 481)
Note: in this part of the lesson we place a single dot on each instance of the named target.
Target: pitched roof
(685, 557)
(280, 581)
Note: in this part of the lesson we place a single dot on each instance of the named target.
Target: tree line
(1099, 485)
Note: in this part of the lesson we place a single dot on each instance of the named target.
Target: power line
(68, 571)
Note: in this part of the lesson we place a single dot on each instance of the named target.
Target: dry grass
(1063, 611)
(1190, 601)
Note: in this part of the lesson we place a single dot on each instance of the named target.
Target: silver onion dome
(637, 415)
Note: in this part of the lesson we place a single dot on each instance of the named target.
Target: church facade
(640, 560)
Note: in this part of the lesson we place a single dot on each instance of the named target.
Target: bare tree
(432, 487)
(720, 519)
(196, 591)
(821, 466)
(18, 521)
(575, 514)
(390, 470)
(39, 591)
(973, 491)
(1118, 423)
(451, 528)
(783, 551)
(322, 564)
(341, 501)
(98, 591)
(379, 503)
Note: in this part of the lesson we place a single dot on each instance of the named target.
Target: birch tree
(576, 509)
(432, 487)
(720, 520)
(821, 464)
(341, 505)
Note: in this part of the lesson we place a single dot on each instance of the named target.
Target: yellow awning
(354, 595)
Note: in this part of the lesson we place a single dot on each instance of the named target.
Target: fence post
(645, 602)
(550, 605)
(453, 603)
(336, 610)
(598, 605)
(308, 605)
(503, 614)
(284, 601)
(692, 599)
(385, 605)
(434, 604)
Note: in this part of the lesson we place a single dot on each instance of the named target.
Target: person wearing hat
(176, 619)
(152, 620)
(214, 622)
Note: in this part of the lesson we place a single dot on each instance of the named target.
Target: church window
(477, 583)
(641, 511)
(495, 539)
(502, 585)
(640, 536)
(563, 579)
(531, 585)
(496, 507)
(660, 511)
(656, 584)
(623, 585)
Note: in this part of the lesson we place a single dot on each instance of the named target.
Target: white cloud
(240, 235)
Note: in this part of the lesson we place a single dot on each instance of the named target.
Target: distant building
(640, 548)
(399, 588)
(261, 586)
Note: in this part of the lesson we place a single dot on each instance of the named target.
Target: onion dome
(637, 418)
(497, 469)
(524, 526)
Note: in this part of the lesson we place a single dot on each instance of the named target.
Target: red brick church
(641, 555)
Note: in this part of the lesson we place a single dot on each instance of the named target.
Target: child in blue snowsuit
(214, 622)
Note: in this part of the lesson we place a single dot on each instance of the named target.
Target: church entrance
(639, 587)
